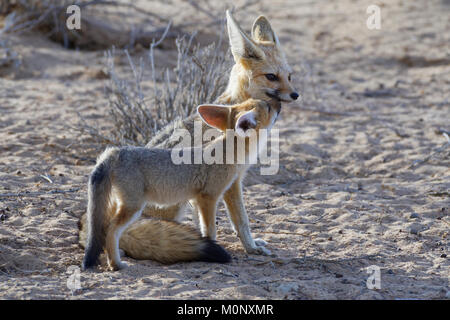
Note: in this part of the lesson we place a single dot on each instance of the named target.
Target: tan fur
(247, 80)
(140, 175)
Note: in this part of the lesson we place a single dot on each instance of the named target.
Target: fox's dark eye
(271, 77)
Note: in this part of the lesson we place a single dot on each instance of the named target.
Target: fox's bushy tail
(166, 242)
(169, 242)
(99, 189)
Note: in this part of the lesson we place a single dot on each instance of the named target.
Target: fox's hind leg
(195, 213)
(125, 215)
(207, 213)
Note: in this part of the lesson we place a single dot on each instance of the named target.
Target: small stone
(414, 229)
(443, 255)
(285, 288)
(414, 216)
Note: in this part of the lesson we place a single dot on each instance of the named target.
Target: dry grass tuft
(8, 56)
(200, 76)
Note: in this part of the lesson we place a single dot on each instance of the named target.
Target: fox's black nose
(294, 95)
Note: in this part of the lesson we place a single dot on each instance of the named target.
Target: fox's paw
(259, 248)
(260, 242)
(118, 266)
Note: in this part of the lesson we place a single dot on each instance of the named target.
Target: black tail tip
(88, 263)
(91, 258)
(212, 252)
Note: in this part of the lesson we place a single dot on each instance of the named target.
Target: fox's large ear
(214, 115)
(262, 30)
(241, 45)
(245, 122)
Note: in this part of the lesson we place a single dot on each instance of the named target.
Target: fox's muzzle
(274, 95)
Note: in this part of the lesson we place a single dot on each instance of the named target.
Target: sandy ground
(348, 195)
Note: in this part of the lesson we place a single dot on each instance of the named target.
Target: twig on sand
(46, 177)
(36, 193)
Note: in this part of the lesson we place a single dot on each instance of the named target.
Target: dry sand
(345, 198)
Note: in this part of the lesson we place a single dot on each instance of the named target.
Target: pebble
(285, 288)
(414, 229)
(414, 216)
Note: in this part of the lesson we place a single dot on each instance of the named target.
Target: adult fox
(261, 71)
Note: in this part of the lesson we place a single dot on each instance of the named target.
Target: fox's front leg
(239, 219)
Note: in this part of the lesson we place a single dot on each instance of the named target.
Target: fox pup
(131, 177)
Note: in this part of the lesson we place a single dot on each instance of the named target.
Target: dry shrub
(8, 57)
(200, 76)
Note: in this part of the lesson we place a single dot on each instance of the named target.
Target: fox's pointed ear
(214, 115)
(262, 30)
(245, 122)
(241, 45)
